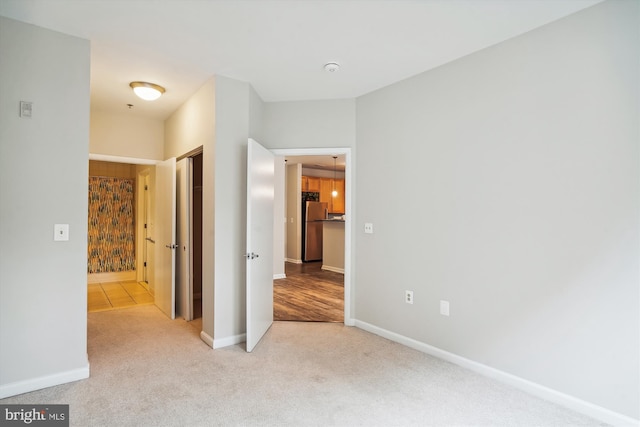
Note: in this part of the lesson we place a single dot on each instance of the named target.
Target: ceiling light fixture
(147, 91)
(331, 67)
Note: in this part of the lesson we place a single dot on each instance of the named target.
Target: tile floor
(111, 296)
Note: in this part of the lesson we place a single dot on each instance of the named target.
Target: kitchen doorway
(307, 287)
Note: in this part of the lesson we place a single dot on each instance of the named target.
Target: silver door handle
(251, 255)
(171, 246)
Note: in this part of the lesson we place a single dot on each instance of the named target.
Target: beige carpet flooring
(147, 370)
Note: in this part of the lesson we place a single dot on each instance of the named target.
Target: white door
(260, 182)
(184, 278)
(165, 237)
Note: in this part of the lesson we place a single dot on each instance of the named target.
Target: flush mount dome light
(147, 91)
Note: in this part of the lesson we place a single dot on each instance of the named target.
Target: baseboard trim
(232, 340)
(568, 401)
(279, 276)
(33, 384)
(293, 261)
(206, 338)
(334, 269)
(121, 276)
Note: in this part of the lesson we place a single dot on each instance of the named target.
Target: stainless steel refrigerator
(313, 213)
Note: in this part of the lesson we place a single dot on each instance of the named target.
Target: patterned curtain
(111, 226)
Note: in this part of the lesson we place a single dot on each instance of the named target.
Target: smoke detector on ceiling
(332, 67)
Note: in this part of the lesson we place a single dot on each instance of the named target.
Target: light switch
(368, 228)
(61, 232)
(444, 308)
(26, 109)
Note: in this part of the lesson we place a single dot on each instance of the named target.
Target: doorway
(188, 274)
(334, 285)
(117, 218)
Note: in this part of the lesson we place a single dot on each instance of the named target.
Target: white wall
(190, 127)
(126, 136)
(43, 181)
(512, 191)
(309, 124)
(232, 134)
(256, 115)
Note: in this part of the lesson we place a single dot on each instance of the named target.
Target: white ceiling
(279, 46)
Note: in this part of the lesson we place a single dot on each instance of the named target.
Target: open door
(260, 193)
(165, 237)
(184, 277)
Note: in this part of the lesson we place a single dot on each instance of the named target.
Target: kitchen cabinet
(325, 187)
(337, 203)
(310, 183)
(314, 184)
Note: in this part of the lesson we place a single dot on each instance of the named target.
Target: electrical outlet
(368, 228)
(408, 297)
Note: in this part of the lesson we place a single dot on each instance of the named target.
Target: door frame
(132, 161)
(348, 174)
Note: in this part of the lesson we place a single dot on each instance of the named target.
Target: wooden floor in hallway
(309, 294)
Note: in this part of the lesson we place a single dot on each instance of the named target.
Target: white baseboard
(279, 276)
(232, 340)
(33, 384)
(578, 405)
(121, 276)
(206, 338)
(293, 261)
(334, 269)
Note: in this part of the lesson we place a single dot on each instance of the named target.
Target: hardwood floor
(309, 294)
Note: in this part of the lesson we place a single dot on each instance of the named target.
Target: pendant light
(334, 193)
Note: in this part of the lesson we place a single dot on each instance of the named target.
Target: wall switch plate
(444, 308)
(408, 297)
(61, 232)
(368, 228)
(26, 109)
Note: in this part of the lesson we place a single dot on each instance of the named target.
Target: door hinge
(251, 255)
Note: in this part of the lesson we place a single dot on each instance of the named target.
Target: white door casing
(183, 273)
(259, 255)
(165, 237)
